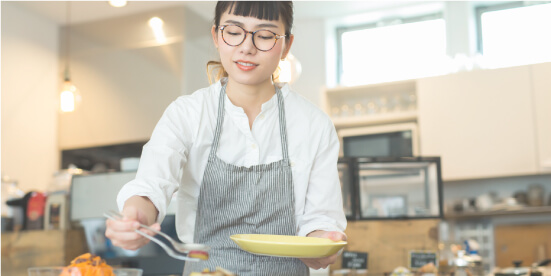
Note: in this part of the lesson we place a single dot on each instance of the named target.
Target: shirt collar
(272, 102)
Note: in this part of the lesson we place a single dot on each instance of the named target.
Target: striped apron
(240, 200)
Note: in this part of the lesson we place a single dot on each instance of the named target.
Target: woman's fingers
(317, 263)
(336, 236)
(122, 233)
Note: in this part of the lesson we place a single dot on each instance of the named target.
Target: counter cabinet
(32, 248)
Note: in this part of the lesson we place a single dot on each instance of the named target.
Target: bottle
(56, 214)
(35, 211)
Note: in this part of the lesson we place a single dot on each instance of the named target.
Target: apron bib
(241, 200)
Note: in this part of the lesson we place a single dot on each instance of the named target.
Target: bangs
(266, 10)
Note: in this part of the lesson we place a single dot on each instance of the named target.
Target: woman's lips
(245, 65)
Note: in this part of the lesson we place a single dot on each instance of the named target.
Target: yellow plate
(287, 246)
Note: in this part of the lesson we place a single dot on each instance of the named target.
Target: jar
(535, 195)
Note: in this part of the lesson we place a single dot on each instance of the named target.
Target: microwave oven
(391, 140)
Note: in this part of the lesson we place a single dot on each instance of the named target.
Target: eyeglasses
(263, 40)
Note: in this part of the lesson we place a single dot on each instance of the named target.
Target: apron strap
(220, 121)
(282, 126)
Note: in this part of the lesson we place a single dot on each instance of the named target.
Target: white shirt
(174, 159)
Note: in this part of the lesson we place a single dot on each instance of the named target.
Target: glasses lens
(264, 40)
(233, 35)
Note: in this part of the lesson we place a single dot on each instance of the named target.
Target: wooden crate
(24, 249)
(389, 242)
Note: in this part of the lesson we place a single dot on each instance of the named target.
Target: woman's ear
(288, 44)
(214, 36)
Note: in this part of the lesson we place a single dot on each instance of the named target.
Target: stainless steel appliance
(394, 140)
(391, 187)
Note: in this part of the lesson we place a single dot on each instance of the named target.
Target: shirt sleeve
(163, 159)
(323, 206)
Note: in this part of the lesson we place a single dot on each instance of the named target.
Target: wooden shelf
(483, 214)
(366, 120)
(375, 88)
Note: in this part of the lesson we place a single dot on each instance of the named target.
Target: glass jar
(535, 195)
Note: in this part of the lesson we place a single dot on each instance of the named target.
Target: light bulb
(156, 25)
(155, 22)
(68, 97)
(117, 3)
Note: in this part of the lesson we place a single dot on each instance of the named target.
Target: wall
(502, 187)
(309, 49)
(198, 50)
(126, 79)
(29, 96)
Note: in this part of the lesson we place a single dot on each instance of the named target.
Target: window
(389, 51)
(514, 34)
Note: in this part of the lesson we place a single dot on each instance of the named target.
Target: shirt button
(253, 146)
(292, 163)
(261, 117)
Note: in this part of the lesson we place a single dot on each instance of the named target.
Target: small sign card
(417, 259)
(354, 260)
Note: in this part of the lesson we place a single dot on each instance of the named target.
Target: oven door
(391, 188)
(393, 140)
(347, 177)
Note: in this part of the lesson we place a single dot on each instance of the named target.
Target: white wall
(125, 79)
(29, 96)
(198, 50)
(309, 49)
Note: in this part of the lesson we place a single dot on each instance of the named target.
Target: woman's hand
(136, 210)
(317, 263)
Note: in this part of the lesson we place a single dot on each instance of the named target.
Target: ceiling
(89, 11)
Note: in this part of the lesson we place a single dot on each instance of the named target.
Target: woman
(245, 155)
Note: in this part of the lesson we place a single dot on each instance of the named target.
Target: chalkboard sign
(354, 260)
(417, 259)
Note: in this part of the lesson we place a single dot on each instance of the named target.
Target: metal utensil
(180, 247)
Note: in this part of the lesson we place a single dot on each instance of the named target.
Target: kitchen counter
(24, 249)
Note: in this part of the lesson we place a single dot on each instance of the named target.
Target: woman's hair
(267, 10)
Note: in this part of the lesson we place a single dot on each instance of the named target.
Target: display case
(391, 188)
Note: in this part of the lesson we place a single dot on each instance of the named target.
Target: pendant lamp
(69, 96)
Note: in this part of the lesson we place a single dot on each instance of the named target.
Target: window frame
(480, 10)
(340, 30)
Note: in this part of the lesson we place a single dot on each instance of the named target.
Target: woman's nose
(248, 45)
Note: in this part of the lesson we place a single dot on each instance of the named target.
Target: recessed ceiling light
(117, 3)
(156, 25)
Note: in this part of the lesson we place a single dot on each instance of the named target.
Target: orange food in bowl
(88, 265)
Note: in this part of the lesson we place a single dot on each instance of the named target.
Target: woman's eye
(235, 34)
(266, 37)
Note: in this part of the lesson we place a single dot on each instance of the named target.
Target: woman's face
(245, 64)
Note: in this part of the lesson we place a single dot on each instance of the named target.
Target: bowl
(56, 271)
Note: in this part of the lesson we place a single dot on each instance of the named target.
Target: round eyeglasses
(263, 40)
